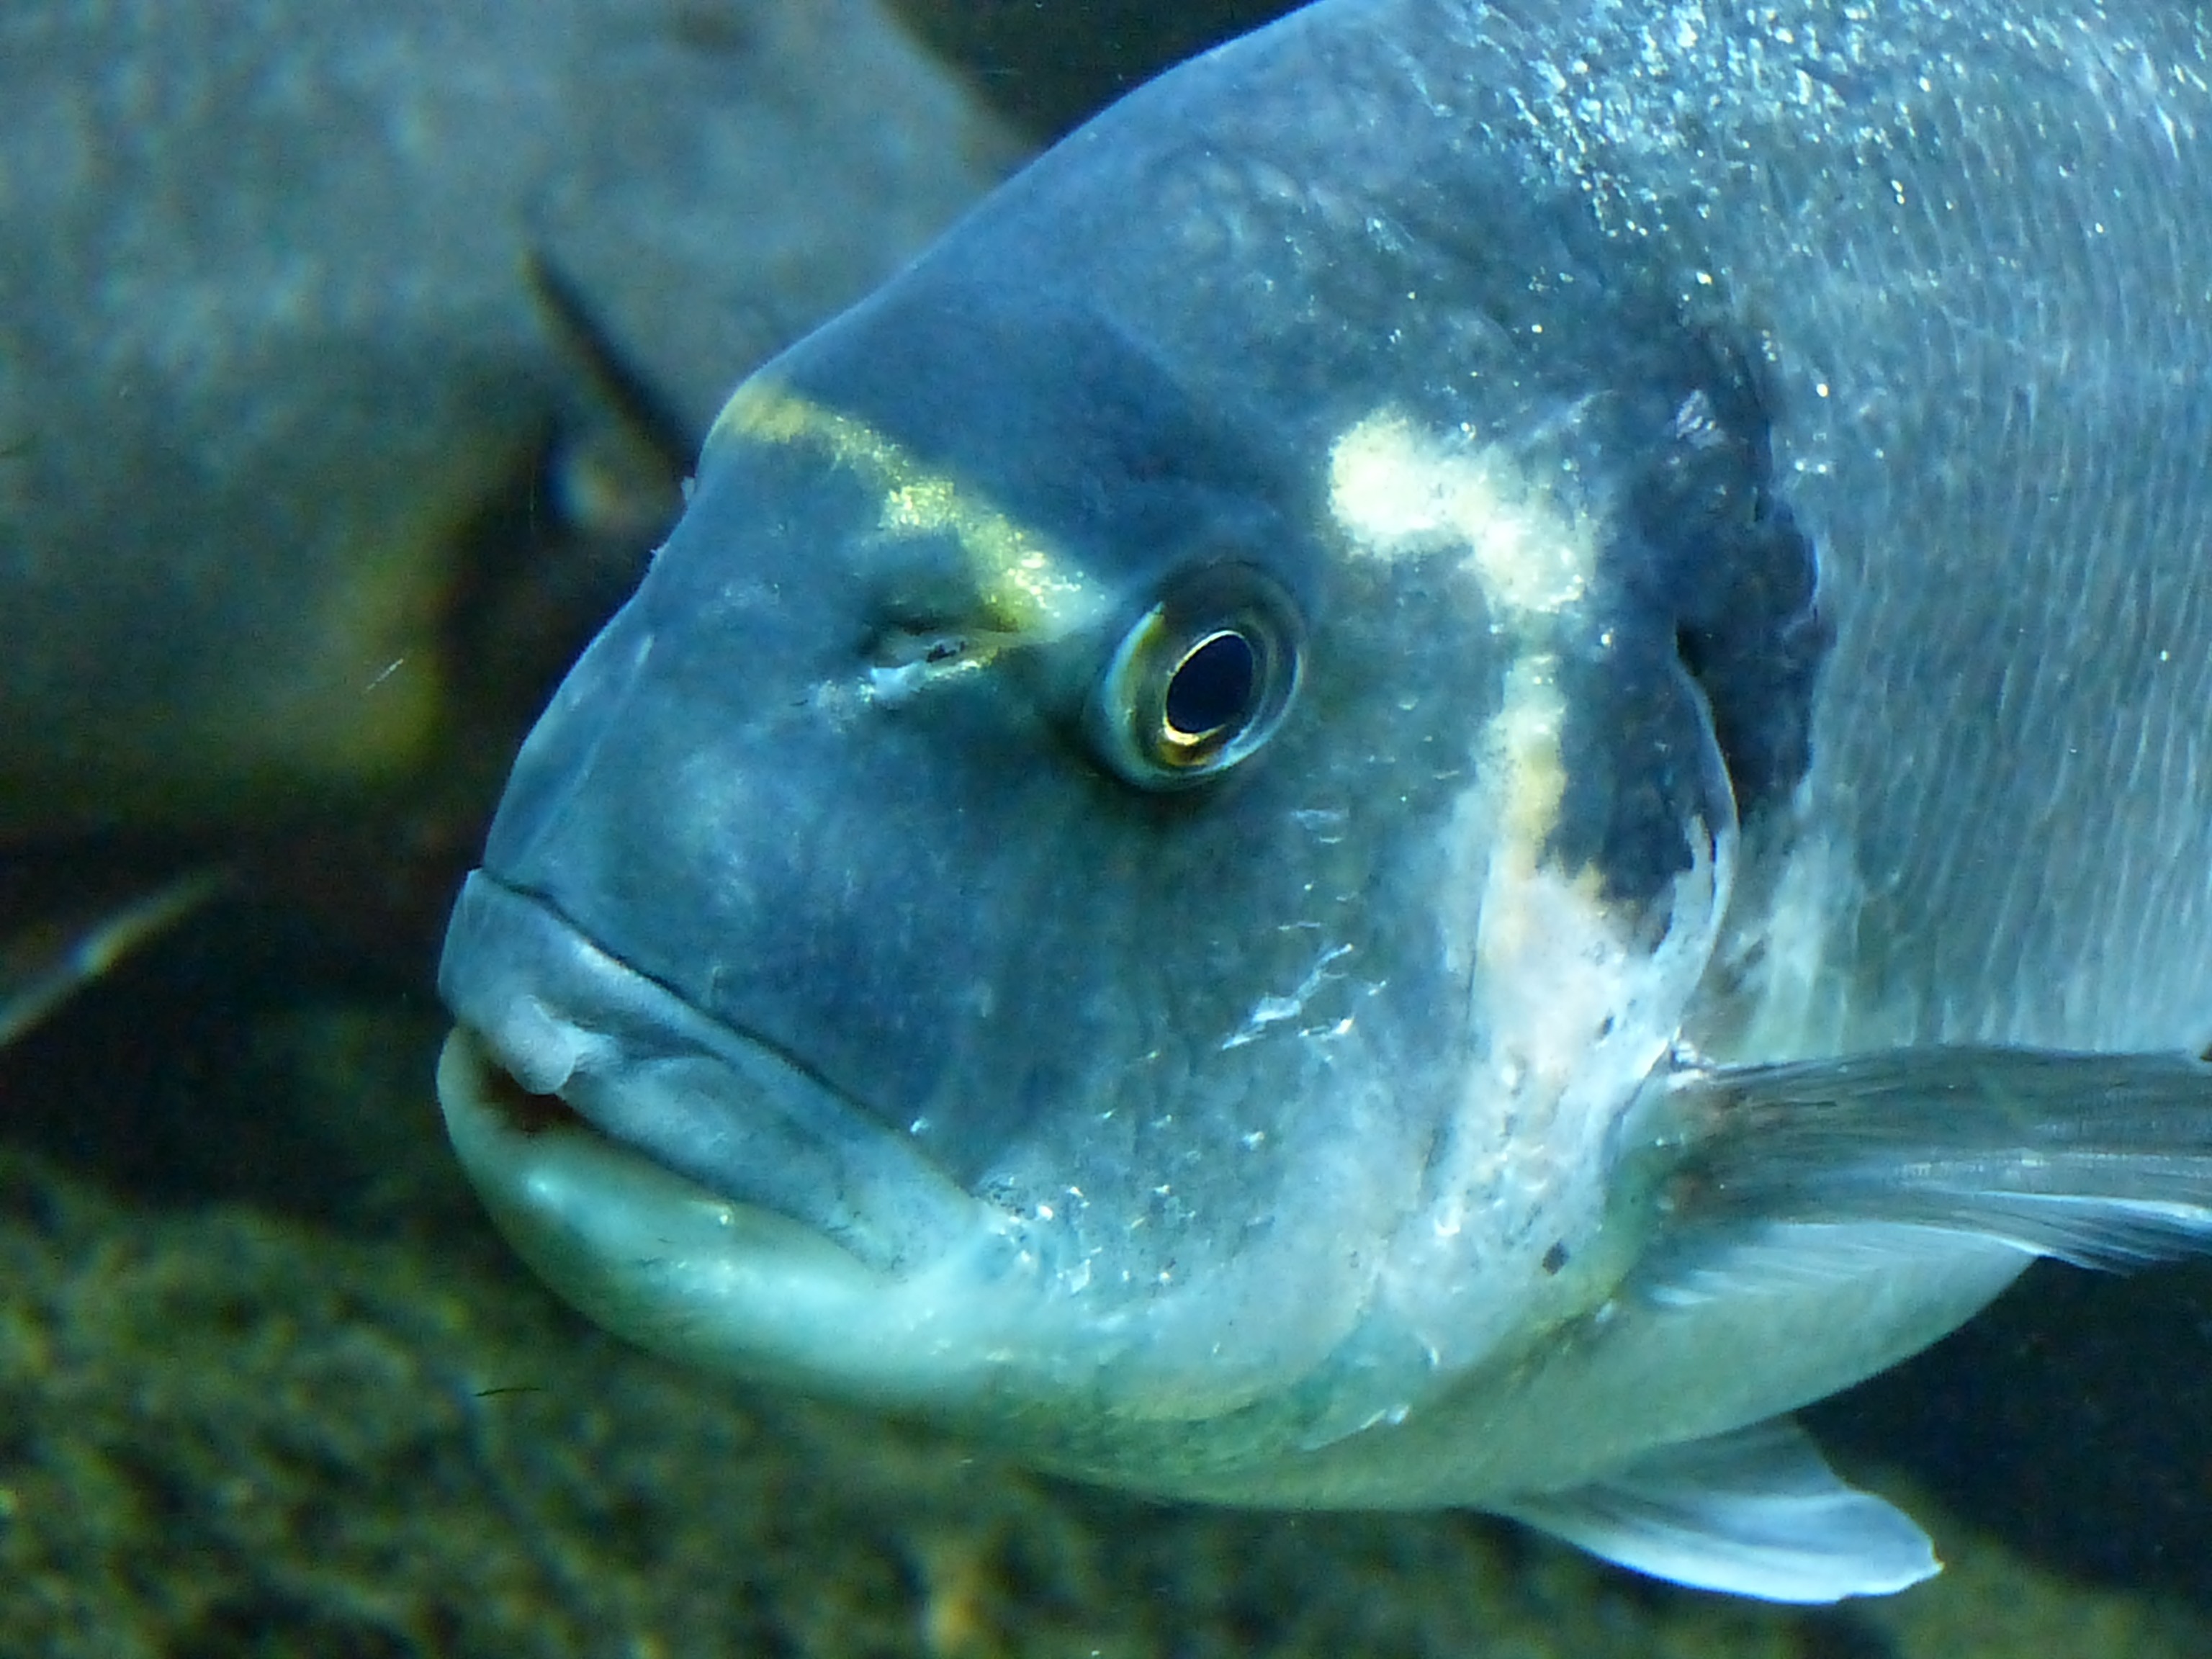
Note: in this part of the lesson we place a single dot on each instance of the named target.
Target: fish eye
(1211, 690)
(1200, 681)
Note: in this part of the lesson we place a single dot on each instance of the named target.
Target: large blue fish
(1471, 751)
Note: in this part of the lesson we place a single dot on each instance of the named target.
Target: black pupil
(1211, 687)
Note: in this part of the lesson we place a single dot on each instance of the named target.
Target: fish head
(1064, 907)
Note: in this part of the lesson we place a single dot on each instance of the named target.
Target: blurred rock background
(309, 487)
(284, 425)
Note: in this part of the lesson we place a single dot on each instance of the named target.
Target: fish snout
(560, 1037)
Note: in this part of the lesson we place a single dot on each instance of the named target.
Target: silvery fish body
(1468, 753)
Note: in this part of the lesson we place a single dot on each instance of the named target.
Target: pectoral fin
(1756, 1512)
(1782, 1172)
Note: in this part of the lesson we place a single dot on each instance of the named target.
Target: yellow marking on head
(1399, 491)
(1505, 819)
(1571, 998)
(1027, 587)
(1525, 741)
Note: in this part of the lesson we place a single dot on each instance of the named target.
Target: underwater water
(345, 383)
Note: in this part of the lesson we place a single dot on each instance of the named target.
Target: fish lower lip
(566, 1037)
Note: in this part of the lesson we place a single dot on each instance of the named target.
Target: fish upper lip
(646, 1069)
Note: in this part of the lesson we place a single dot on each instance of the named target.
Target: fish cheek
(1157, 976)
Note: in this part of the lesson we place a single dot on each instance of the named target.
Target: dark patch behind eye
(1704, 620)
(1720, 554)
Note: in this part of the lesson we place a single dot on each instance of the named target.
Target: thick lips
(695, 1191)
(727, 1283)
(562, 1018)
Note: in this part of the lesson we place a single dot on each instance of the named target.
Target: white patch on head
(1499, 826)
(1399, 492)
(1573, 995)
(1571, 999)
(1577, 1006)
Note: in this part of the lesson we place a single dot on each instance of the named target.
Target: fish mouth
(692, 1188)
(572, 1031)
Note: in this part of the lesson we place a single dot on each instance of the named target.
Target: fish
(1469, 752)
